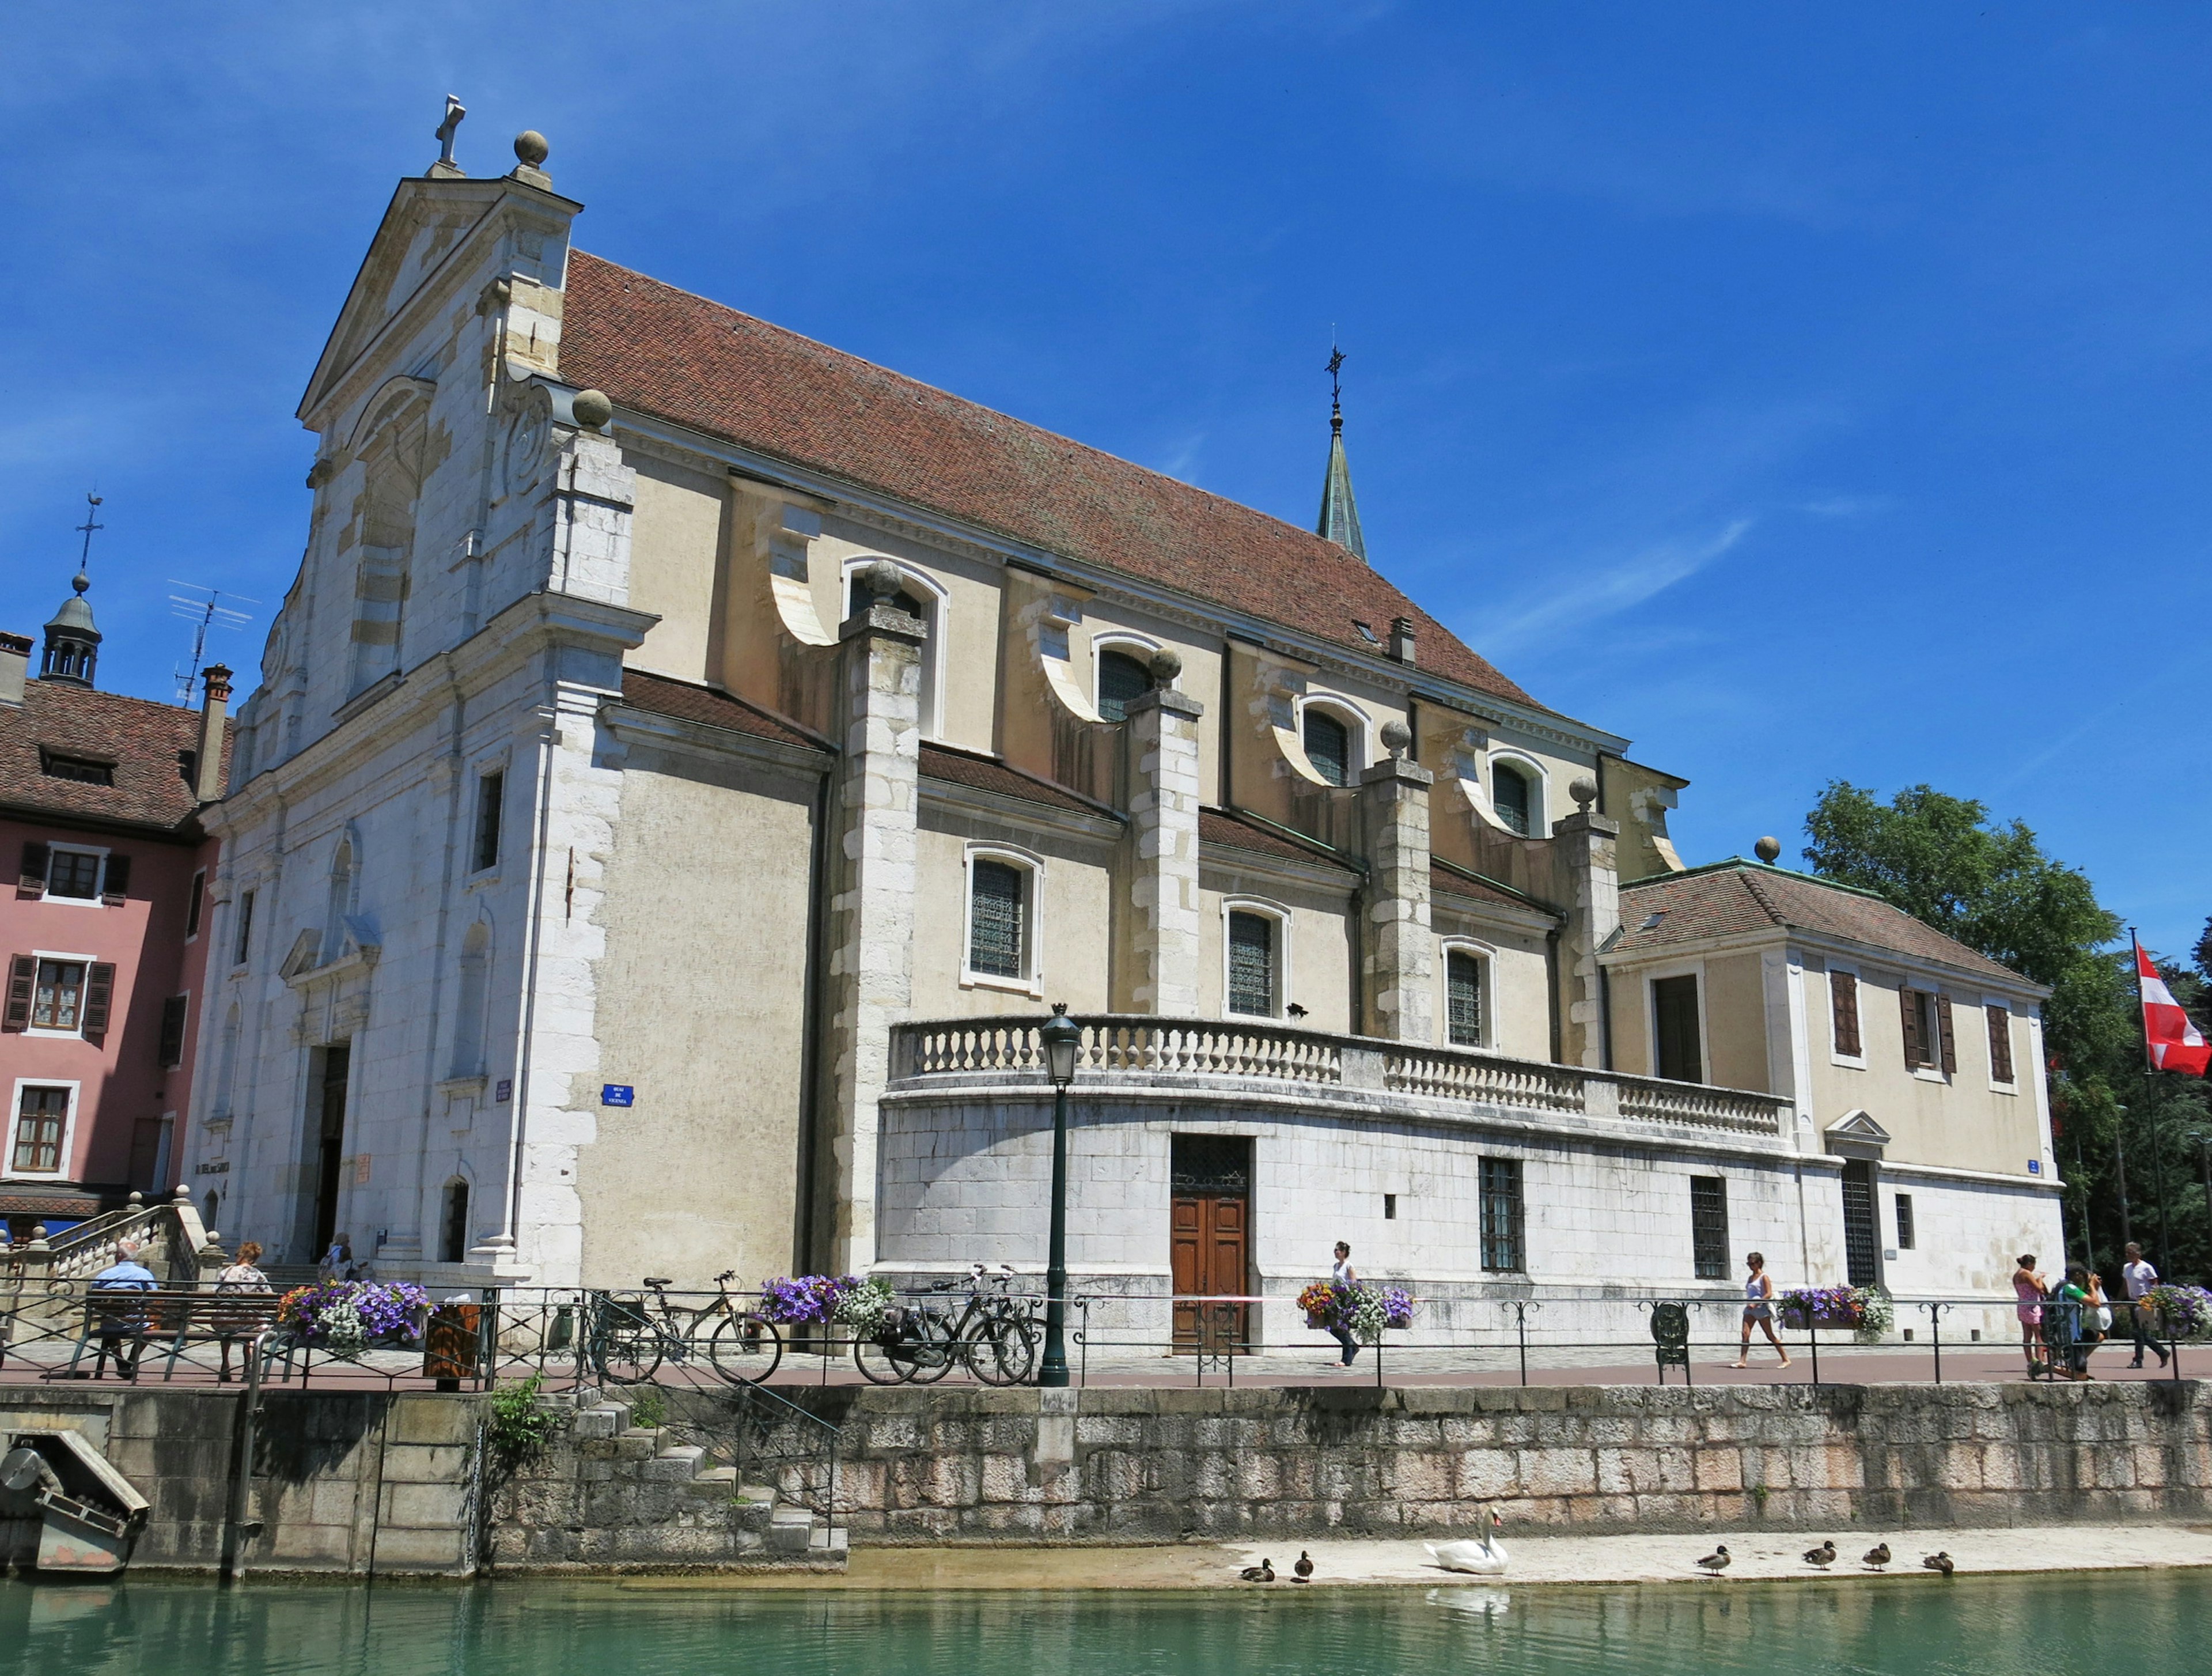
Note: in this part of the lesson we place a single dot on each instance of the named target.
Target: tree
(1992, 887)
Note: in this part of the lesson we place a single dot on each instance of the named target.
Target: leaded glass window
(1463, 999)
(1329, 747)
(1501, 1216)
(1122, 681)
(996, 908)
(1508, 794)
(1709, 1234)
(1252, 965)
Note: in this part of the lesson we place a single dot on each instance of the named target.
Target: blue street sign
(618, 1094)
(2035, 1167)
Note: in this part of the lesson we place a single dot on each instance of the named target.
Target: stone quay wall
(1122, 1465)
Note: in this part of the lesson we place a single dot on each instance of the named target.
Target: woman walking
(2028, 1286)
(1758, 1306)
(1340, 1273)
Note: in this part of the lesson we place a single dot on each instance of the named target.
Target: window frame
(61, 1171)
(1928, 1024)
(48, 1033)
(1484, 958)
(241, 930)
(1540, 789)
(1652, 976)
(930, 704)
(1704, 1265)
(1031, 983)
(1836, 1055)
(1128, 644)
(1992, 1003)
(181, 1004)
(1281, 916)
(1337, 707)
(483, 872)
(196, 907)
(1903, 1221)
(56, 847)
(1518, 1233)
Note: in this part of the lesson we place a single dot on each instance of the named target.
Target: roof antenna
(207, 615)
(454, 112)
(83, 579)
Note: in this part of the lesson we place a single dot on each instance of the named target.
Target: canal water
(2136, 1624)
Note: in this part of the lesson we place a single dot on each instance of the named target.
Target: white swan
(1484, 1559)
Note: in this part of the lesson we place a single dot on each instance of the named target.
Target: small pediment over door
(1856, 1135)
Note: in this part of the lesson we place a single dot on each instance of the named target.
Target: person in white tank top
(1758, 1306)
(1340, 1274)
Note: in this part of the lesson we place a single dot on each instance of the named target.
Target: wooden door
(1209, 1235)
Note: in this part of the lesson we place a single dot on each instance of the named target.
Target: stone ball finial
(1584, 790)
(530, 149)
(1166, 665)
(591, 408)
(1768, 849)
(880, 580)
(1396, 737)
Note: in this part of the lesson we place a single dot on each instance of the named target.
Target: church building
(692, 760)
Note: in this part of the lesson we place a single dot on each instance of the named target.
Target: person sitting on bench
(122, 1331)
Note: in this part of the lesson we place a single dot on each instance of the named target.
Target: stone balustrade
(1123, 1044)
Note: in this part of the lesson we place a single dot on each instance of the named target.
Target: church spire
(1339, 514)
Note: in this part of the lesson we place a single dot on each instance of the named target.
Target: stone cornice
(995, 805)
(633, 726)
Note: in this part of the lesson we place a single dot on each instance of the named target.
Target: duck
(1716, 1561)
(1878, 1555)
(1304, 1568)
(1824, 1556)
(1938, 1561)
(1484, 1559)
(1263, 1573)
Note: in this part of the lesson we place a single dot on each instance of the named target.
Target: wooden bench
(176, 1318)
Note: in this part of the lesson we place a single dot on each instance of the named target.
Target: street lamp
(1061, 1039)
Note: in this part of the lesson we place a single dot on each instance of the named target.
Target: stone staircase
(643, 1497)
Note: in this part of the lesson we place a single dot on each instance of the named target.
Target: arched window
(1003, 946)
(919, 597)
(1463, 998)
(1328, 745)
(1254, 962)
(1510, 794)
(207, 1215)
(469, 1012)
(453, 1223)
(1122, 679)
(384, 536)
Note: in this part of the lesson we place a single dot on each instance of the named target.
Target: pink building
(102, 938)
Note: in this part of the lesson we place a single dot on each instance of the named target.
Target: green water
(2142, 1623)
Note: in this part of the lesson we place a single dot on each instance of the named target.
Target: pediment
(1855, 1131)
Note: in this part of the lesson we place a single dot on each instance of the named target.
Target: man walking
(2140, 1278)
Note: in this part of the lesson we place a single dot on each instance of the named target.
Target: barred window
(1905, 1221)
(1252, 965)
(1329, 747)
(1463, 998)
(1501, 1216)
(1122, 681)
(996, 918)
(39, 1122)
(1709, 1234)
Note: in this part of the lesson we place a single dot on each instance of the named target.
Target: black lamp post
(1061, 1039)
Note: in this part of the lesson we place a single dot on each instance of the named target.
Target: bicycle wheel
(936, 1349)
(745, 1348)
(626, 1346)
(878, 1365)
(1000, 1350)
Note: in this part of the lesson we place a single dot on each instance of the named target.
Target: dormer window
(1329, 747)
(1509, 796)
(1122, 681)
(89, 771)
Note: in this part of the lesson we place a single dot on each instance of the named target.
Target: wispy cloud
(1620, 587)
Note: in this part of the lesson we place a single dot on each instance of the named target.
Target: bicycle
(996, 1339)
(632, 1334)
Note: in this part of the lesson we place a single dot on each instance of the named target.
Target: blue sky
(1805, 393)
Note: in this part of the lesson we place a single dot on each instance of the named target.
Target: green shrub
(518, 1428)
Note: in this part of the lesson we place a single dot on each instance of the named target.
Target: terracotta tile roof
(661, 351)
(140, 738)
(713, 707)
(1733, 897)
(1236, 832)
(987, 773)
(1443, 878)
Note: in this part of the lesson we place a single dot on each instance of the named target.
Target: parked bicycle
(994, 1337)
(633, 1334)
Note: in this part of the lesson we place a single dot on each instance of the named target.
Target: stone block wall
(1120, 1465)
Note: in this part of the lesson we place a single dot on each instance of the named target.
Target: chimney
(15, 665)
(1401, 639)
(207, 779)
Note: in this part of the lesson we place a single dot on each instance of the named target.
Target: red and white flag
(2174, 1041)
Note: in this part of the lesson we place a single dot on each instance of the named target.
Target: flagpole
(2150, 1115)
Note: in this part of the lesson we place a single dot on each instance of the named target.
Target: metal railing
(1140, 1044)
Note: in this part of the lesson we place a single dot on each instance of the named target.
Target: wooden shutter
(2000, 1044)
(115, 885)
(1844, 988)
(33, 875)
(22, 979)
(99, 991)
(1947, 1042)
(173, 1031)
(1908, 1007)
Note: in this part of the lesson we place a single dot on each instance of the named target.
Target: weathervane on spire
(84, 559)
(454, 112)
(1335, 386)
